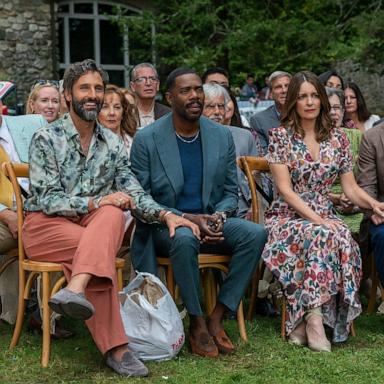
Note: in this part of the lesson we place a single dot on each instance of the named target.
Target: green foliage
(259, 36)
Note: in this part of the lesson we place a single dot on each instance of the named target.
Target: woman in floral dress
(309, 248)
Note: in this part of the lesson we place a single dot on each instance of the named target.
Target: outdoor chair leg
(241, 323)
(20, 312)
(283, 319)
(46, 320)
(120, 279)
(372, 294)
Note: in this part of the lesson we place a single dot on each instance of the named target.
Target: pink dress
(316, 265)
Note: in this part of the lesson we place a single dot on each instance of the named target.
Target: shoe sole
(71, 309)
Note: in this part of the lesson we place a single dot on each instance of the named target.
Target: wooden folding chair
(36, 268)
(207, 262)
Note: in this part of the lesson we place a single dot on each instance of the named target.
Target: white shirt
(6, 142)
(368, 124)
(146, 118)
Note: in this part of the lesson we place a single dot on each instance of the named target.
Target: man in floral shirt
(80, 185)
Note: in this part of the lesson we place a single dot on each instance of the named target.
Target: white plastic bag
(155, 331)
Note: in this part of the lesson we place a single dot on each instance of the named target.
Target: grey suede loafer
(129, 366)
(66, 302)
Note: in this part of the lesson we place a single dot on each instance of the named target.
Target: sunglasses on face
(54, 83)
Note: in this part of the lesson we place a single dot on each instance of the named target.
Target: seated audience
(145, 84)
(263, 121)
(115, 116)
(249, 89)
(357, 114)
(337, 101)
(309, 248)
(44, 99)
(215, 102)
(331, 79)
(188, 164)
(216, 75)
(81, 184)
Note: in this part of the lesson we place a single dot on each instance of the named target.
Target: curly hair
(129, 122)
(290, 117)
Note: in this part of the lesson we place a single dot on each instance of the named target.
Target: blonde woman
(44, 99)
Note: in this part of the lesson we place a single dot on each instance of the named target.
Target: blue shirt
(191, 155)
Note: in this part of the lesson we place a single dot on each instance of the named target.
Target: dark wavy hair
(78, 69)
(363, 112)
(291, 119)
(129, 122)
(324, 77)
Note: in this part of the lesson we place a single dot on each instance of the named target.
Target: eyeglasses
(336, 107)
(145, 79)
(53, 83)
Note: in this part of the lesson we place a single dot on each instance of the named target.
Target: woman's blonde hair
(34, 94)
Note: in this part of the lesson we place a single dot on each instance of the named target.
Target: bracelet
(183, 215)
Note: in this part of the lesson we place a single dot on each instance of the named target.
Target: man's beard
(78, 107)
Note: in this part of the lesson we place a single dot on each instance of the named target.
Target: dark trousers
(377, 239)
(244, 240)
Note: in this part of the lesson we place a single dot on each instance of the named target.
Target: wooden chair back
(251, 165)
(13, 171)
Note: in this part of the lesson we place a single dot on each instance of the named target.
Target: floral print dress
(317, 266)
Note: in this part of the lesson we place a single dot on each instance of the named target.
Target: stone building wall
(26, 48)
(371, 84)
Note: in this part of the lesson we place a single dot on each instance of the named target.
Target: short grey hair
(142, 65)
(276, 75)
(212, 91)
(336, 92)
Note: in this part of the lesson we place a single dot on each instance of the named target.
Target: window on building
(85, 30)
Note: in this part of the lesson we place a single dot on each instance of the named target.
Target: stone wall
(371, 84)
(25, 43)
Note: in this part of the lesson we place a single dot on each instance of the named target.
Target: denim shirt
(63, 179)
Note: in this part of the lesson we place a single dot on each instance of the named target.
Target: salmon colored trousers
(88, 244)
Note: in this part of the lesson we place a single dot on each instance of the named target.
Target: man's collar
(71, 131)
(276, 110)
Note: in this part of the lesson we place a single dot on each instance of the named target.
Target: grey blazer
(156, 162)
(371, 162)
(262, 122)
(371, 176)
(245, 146)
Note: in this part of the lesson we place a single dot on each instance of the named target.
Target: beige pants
(9, 279)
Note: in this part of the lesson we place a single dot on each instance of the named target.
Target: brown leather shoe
(203, 346)
(60, 332)
(223, 343)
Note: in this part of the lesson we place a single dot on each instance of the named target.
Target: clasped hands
(210, 226)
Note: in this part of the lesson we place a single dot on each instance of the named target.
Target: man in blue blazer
(187, 163)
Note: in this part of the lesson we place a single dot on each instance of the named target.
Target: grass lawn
(264, 359)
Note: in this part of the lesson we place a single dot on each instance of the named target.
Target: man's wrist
(163, 215)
